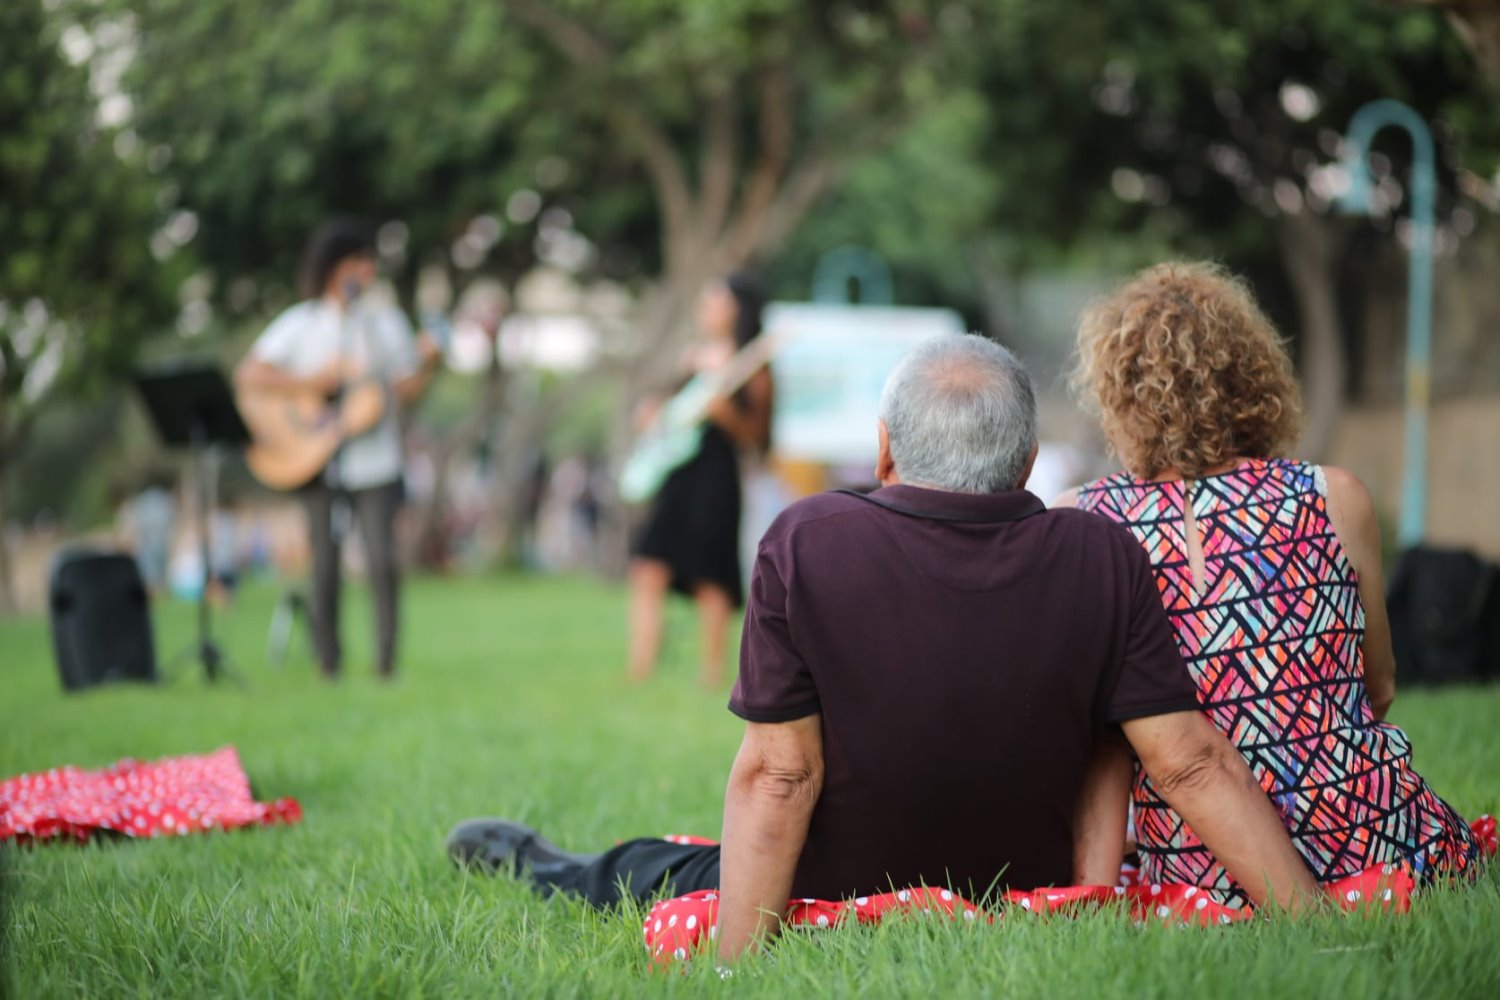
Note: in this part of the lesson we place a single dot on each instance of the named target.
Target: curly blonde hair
(1186, 373)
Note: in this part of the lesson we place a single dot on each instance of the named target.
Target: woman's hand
(724, 413)
(645, 413)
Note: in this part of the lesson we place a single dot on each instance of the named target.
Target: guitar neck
(743, 366)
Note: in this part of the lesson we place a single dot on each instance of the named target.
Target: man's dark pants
(374, 509)
(638, 869)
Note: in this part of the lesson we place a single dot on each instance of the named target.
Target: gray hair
(961, 416)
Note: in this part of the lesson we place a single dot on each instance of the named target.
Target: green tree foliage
(662, 142)
(1183, 116)
(738, 115)
(744, 115)
(1119, 132)
(1166, 123)
(410, 113)
(1215, 129)
(79, 287)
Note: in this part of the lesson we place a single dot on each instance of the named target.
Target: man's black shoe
(504, 845)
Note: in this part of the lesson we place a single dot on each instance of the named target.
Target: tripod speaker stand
(191, 407)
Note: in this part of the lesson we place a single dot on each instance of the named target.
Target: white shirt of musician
(373, 337)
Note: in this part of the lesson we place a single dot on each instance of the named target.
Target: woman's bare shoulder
(1348, 496)
(1351, 511)
(1067, 498)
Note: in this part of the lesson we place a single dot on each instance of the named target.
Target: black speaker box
(101, 619)
(1444, 606)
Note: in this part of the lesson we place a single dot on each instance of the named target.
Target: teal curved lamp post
(836, 268)
(1368, 120)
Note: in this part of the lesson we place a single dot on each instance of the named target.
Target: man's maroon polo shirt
(962, 650)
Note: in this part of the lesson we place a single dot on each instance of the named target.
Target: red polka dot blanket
(676, 929)
(162, 798)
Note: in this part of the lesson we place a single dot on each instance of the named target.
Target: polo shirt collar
(975, 508)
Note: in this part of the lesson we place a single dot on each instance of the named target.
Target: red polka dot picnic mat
(676, 929)
(170, 797)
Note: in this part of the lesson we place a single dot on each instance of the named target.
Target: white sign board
(830, 373)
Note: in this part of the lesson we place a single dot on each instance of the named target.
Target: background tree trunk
(431, 541)
(7, 583)
(10, 445)
(1477, 24)
(1310, 247)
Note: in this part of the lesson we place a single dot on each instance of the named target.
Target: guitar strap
(333, 475)
(929, 515)
(340, 514)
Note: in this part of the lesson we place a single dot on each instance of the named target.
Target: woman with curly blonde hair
(1269, 569)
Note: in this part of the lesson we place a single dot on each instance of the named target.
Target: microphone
(351, 289)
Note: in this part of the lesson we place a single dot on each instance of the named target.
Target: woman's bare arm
(747, 424)
(1103, 812)
(1352, 513)
(253, 373)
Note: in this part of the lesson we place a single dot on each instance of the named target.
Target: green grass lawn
(511, 702)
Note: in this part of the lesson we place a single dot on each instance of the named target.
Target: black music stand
(192, 407)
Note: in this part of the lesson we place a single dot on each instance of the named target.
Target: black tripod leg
(289, 607)
(210, 657)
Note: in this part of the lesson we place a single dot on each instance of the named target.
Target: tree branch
(662, 160)
(776, 127)
(721, 160)
(808, 182)
(771, 210)
(14, 433)
(819, 169)
(1310, 249)
(1477, 25)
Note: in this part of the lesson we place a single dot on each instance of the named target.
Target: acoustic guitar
(672, 439)
(296, 434)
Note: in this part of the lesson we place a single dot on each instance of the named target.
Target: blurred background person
(227, 549)
(146, 523)
(335, 336)
(690, 543)
(1270, 572)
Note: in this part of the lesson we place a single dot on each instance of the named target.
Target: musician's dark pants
(374, 510)
(642, 867)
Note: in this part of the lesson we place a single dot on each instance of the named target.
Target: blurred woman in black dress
(690, 543)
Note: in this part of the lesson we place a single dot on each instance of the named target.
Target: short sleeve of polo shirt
(774, 684)
(1152, 680)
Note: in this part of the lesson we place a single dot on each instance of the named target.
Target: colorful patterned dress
(1274, 645)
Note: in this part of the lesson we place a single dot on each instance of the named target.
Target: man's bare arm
(750, 425)
(1206, 780)
(253, 373)
(410, 388)
(773, 787)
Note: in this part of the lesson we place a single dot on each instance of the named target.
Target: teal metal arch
(1367, 121)
(836, 268)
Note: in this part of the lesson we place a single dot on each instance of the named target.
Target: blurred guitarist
(335, 336)
(690, 543)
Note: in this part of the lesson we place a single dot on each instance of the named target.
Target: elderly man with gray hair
(924, 674)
